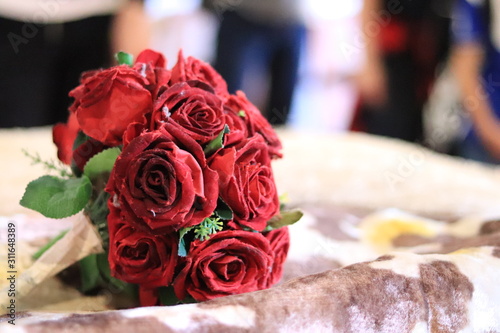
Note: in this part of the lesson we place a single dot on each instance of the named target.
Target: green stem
(47, 246)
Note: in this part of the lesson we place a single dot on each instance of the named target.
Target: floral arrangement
(175, 174)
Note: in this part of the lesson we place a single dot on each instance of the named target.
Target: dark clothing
(413, 42)
(401, 116)
(244, 46)
(35, 80)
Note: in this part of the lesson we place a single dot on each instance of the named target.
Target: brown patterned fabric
(348, 270)
(400, 293)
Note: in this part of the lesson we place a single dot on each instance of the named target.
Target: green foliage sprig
(49, 165)
(209, 226)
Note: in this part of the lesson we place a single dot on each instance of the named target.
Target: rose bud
(255, 121)
(247, 184)
(108, 101)
(64, 136)
(280, 244)
(195, 69)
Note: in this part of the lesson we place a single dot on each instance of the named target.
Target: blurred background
(383, 67)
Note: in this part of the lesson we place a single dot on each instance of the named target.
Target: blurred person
(476, 64)
(256, 36)
(46, 45)
(405, 41)
(131, 30)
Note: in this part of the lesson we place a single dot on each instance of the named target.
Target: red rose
(256, 123)
(148, 296)
(155, 59)
(238, 132)
(80, 91)
(151, 65)
(280, 243)
(229, 262)
(247, 184)
(198, 111)
(140, 257)
(161, 179)
(84, 152)
(109, 100)
(64, 136)
(195, 69)
(133, 131)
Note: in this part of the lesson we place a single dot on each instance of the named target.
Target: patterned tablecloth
(339, 181)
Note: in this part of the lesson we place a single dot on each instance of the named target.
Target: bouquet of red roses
(175, 174)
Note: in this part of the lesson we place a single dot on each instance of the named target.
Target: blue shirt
(472, 23)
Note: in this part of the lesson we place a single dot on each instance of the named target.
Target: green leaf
(189, 300)
(80, 139)
(101, 163)
(167, 296)
(284, 199)
(47, 246)
(284, 219)
(223, 211)
(182, 248)
(97, 210)
(184, 231)
(89, 273)
(124, 58)
(57, 198)
(105, 272)
(95, 273)
(216, 143)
